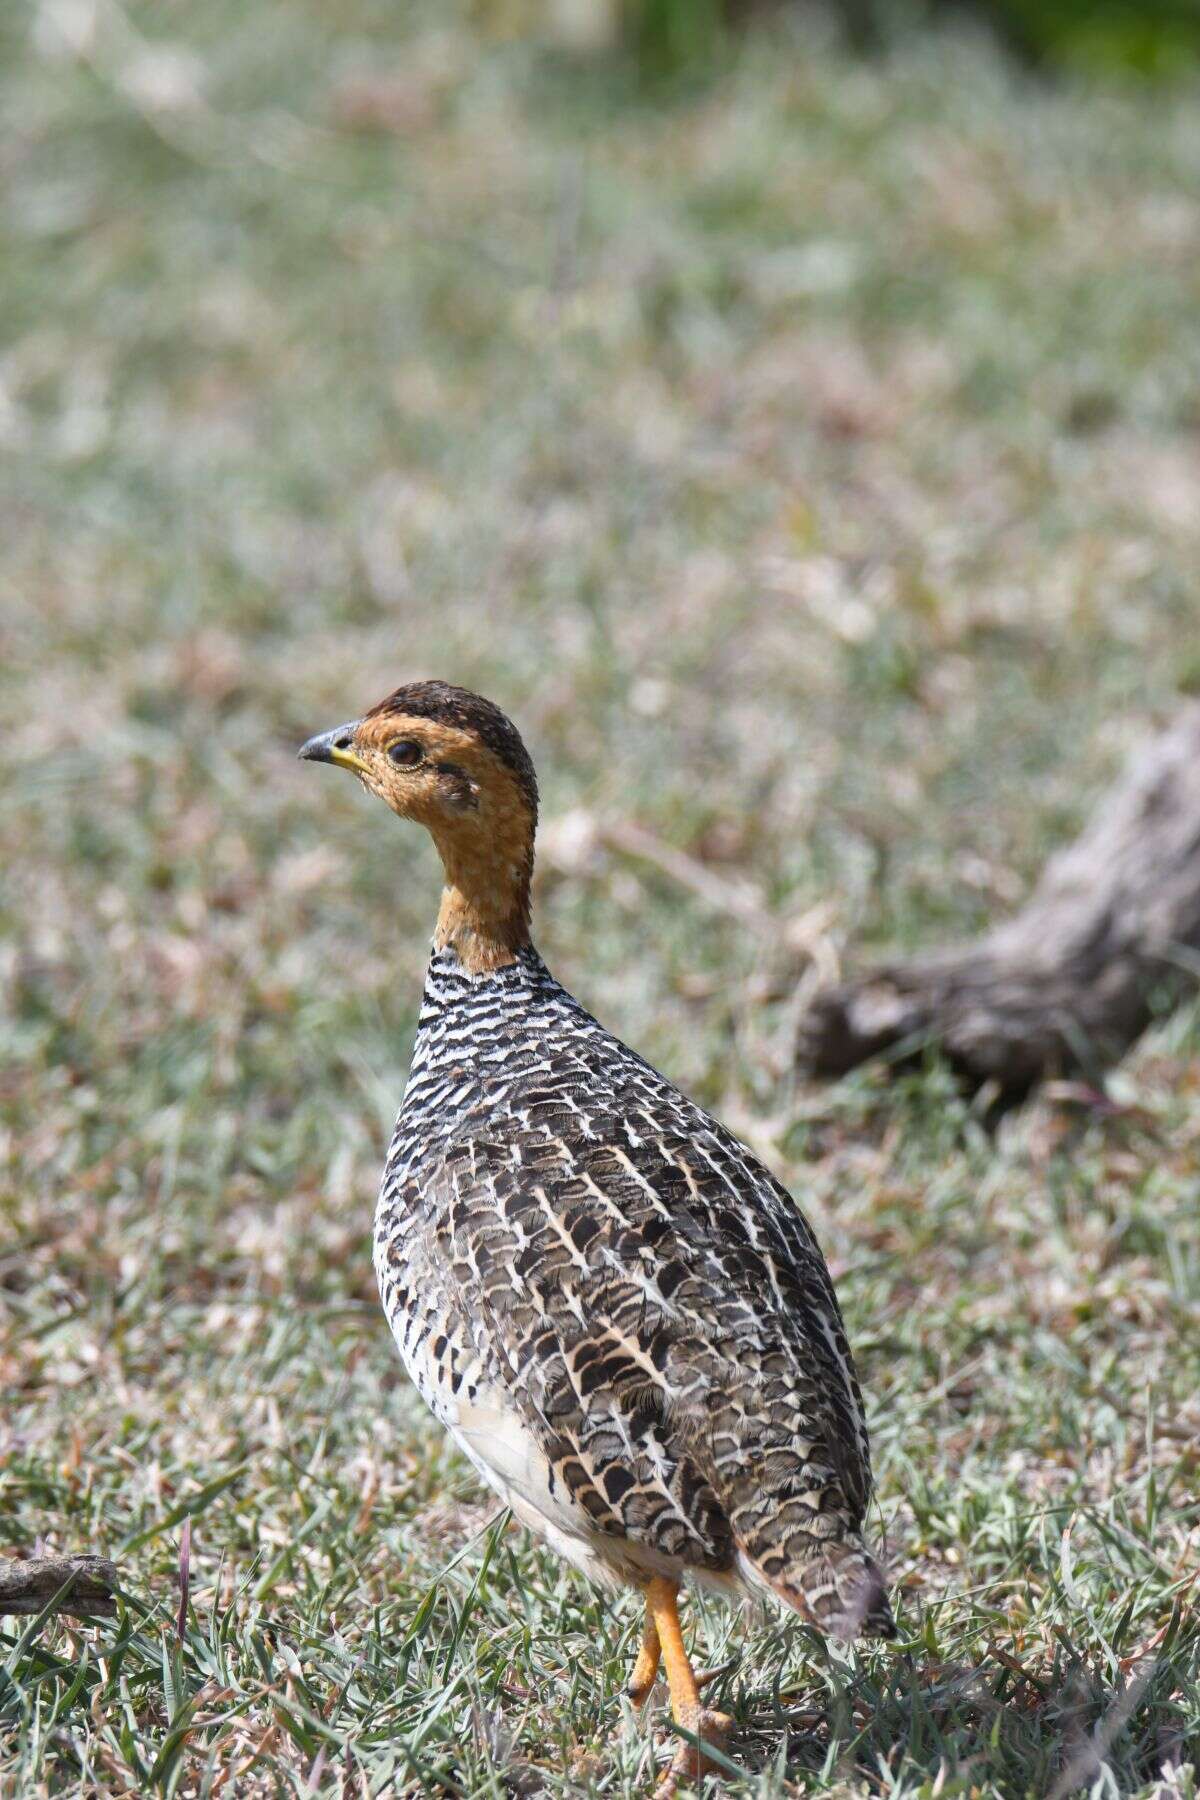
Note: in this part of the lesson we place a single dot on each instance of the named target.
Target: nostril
(343, 741)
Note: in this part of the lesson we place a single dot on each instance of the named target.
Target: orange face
(445, 778)
(441, 775)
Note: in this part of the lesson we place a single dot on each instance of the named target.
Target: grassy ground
(810, 463)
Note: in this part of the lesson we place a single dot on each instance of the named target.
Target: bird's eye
(405, 754)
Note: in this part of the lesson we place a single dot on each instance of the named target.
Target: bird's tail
(840, 1589)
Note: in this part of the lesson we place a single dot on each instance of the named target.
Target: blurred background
(791, 415)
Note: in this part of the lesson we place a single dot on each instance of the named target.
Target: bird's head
(453, 762)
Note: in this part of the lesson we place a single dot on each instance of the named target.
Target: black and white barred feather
(621, 1316)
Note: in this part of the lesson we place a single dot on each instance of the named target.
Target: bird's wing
(664, 1325)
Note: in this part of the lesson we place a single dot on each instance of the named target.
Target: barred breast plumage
(618, 1312)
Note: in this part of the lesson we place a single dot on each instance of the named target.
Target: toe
(705, 1676)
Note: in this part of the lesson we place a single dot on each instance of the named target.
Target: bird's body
(617, 1311)
(619, 1314)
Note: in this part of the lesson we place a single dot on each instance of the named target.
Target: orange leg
(662, 1615)
(645, 1669)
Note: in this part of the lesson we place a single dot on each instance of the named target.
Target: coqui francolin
(621, 1317)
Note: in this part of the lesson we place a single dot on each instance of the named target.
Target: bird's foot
(690, 1762)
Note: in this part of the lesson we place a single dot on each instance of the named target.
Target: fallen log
(83, 1586)
(1109, 938)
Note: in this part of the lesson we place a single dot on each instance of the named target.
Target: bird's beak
(336, 746)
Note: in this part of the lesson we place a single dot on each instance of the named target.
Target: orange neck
(485, 910)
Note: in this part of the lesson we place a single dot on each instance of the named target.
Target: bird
(617, 1312)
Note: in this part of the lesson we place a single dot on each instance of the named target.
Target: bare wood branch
(736, 897)
(91, 1584)
(1111, 931)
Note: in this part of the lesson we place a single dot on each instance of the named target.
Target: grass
(809, 463)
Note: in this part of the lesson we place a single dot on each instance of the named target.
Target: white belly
(500, 1446)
